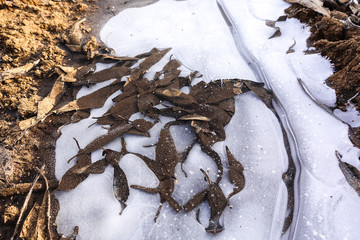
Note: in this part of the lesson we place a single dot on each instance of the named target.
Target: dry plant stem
(48, 198)
(23, 188)
(26, 202)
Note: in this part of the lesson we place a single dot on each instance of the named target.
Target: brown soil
(30, 30)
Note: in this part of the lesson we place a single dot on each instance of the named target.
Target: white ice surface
(351, 116)
(201, 40)
(326, 199)
(190, 28)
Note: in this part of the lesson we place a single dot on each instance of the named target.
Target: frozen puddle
(326, 206)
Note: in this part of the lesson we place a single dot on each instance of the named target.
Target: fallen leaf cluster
(207, 108)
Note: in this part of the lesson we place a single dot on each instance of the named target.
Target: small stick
(47, 195)
(26, 202)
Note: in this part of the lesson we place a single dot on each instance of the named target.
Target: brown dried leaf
(97, 167)
(176, 97)
(277, 33)
(195, 201)
(171, 66)
(236, 174)
(152, 59)
(270, 23)
(291, 48)
(48, 103)
(146, 103)
(169, 79)
(228, 105)
(166, 153)
(125, 108)
(164, 169)
(120, 185)
(156, 56)
(27, 123)
(172, 93)
(217, 202)
(83, 72)
(71, 106)
(134, 88)
(75, 33)
(67, 74)
(263, 93)
(79, 115)
(93, 100)
(351, 173)
(215, 156)
(282, 18)
(28, 230)
(105, 139)
(354, 138)
(114, 72)
(16, 71)
(315, 5)
(71, 179)
(213, 92)
(339, 15)
(142, 126)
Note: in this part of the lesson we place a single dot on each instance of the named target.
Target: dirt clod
(11, 213)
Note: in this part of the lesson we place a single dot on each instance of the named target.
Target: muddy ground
(39, 32)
